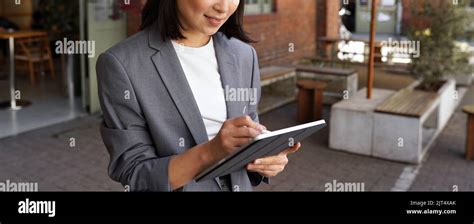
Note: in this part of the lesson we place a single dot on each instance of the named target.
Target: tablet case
(259, 148)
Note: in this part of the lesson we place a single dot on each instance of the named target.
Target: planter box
(407, 138)
(464, 80)
(405, 134)
(448, 102)
(351, 124)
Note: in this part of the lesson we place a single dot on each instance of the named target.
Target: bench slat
(330, 71)
(272, 72)
(408, 102)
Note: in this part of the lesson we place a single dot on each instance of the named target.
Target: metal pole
(11, 46)
(370, 76)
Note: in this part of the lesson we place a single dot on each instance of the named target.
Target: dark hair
(165, 14)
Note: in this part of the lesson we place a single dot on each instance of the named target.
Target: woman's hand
(234, 133)
(273, 165)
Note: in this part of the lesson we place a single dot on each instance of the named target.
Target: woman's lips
(214, 21)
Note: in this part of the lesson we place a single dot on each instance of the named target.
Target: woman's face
(205, 16)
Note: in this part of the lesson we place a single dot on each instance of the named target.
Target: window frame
(261, 7)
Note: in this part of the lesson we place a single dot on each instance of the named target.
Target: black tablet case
(254, 150)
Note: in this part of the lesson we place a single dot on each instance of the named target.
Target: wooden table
(15, 104)
(469, 110)
(310, 100)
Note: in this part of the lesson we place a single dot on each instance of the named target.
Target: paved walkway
(71, 156)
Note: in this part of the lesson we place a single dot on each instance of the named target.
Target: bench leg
(318, 104)
(305, 105)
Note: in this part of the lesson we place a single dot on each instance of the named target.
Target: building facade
(285, 30)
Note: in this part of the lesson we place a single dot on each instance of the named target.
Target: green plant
(440, 54)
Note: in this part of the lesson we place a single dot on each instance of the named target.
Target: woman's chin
(211, 31)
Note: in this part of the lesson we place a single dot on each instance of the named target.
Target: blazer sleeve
(133, 158)
(255, 178)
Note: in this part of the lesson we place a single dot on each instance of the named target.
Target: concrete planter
(401, 138)
(464, 80)
(356, 128)
(449, 100)
(352, 122)
(407, 139)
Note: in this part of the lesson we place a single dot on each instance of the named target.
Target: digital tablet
(264, 145)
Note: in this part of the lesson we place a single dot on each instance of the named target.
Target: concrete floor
(50, 103)
(45, 156)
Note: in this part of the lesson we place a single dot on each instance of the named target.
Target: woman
(161, 92)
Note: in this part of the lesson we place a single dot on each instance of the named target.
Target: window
(254, 7)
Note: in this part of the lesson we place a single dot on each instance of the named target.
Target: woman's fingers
(262, 168)
(291, 150)
(244, 121)
(267, 172)
(245, 132)
(247, 122)
(273, 165)
(272, 160)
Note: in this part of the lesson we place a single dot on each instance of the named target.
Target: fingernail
(257, 161)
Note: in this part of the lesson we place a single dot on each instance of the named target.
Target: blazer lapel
(169, 69)
(227, 62)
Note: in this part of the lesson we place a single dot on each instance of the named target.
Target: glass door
(387, 16)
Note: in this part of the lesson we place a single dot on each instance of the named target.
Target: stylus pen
(221, 122)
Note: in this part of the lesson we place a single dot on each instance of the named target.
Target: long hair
(165, 14)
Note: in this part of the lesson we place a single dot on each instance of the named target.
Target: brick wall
(294, 23)
(327, 22)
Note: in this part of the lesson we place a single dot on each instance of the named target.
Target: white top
(201, 70)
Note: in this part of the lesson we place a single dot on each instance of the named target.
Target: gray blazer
(150, 113)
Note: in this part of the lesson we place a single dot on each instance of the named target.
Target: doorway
(388, 16)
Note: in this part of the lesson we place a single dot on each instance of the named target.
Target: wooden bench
(342, 83)
(278, 87)
(408, 102)
(405, 125)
